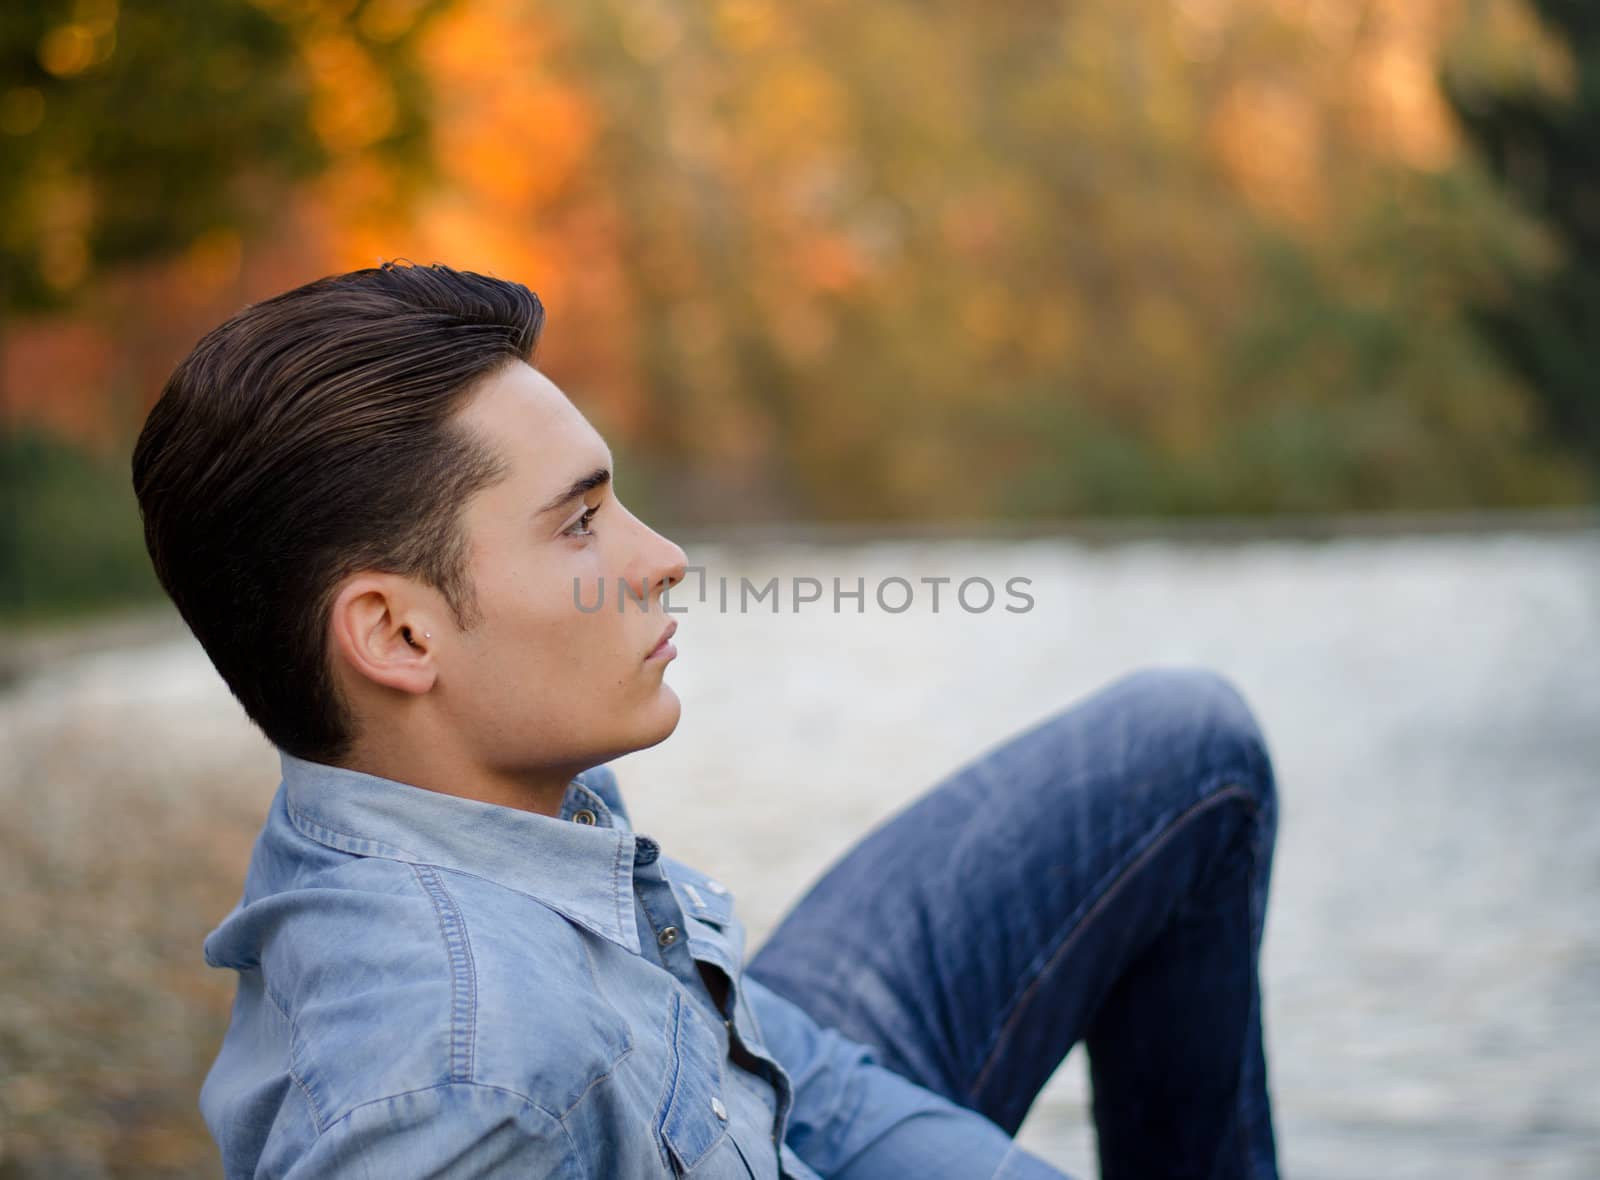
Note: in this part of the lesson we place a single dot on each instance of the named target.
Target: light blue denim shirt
(432, 986)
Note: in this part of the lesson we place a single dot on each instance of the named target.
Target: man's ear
(380, 629)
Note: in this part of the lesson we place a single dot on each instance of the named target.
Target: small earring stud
(427, 634)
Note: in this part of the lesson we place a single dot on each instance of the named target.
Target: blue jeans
(1101, 877)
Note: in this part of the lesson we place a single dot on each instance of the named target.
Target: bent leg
(1101, 876)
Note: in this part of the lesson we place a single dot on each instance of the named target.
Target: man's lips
(664, 645)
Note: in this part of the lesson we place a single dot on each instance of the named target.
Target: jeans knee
(1209, 726)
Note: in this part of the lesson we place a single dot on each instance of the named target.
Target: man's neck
(539, 792)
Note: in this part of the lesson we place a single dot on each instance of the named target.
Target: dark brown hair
(310, 437)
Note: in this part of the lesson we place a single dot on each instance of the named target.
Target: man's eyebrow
(599, 477)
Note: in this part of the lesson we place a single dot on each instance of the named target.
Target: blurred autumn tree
(141, 131)
(831, 260)
(115, 148)
(132, 129)
(1542, 143)
(1053, 258)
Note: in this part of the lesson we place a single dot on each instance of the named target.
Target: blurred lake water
(1432, 703)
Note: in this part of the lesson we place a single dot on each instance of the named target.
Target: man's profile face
(537, 681)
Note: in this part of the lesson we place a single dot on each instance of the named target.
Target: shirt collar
(581, 869)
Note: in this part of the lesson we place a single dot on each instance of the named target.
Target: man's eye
(580, 527)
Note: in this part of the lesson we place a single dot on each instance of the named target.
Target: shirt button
(716, 887)
(718, 1109)
(668, 936)
(583, 817)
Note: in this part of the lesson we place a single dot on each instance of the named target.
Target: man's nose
(673, 563)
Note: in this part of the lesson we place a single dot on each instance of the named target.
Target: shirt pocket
(694, 1136)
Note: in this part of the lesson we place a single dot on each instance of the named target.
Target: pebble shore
(1432, 704)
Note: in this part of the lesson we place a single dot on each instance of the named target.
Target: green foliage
(1541, 147)
(70, 538)
(1048, 260)
(116, 147)
(130, 130)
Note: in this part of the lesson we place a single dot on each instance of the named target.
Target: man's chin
(652, 726)
(666, 711)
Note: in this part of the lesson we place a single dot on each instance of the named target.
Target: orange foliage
(1267, 137)
(738, 193)
(44, 366)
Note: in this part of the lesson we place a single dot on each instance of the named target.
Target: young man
(455, 957)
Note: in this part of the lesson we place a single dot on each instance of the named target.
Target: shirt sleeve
(854, 1119)
(458, 1130)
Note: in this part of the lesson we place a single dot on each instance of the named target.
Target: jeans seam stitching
(1261, 817)
(1069, 937)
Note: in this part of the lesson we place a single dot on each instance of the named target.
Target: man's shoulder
(391, 977)
(349, 909)
(401, 933)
